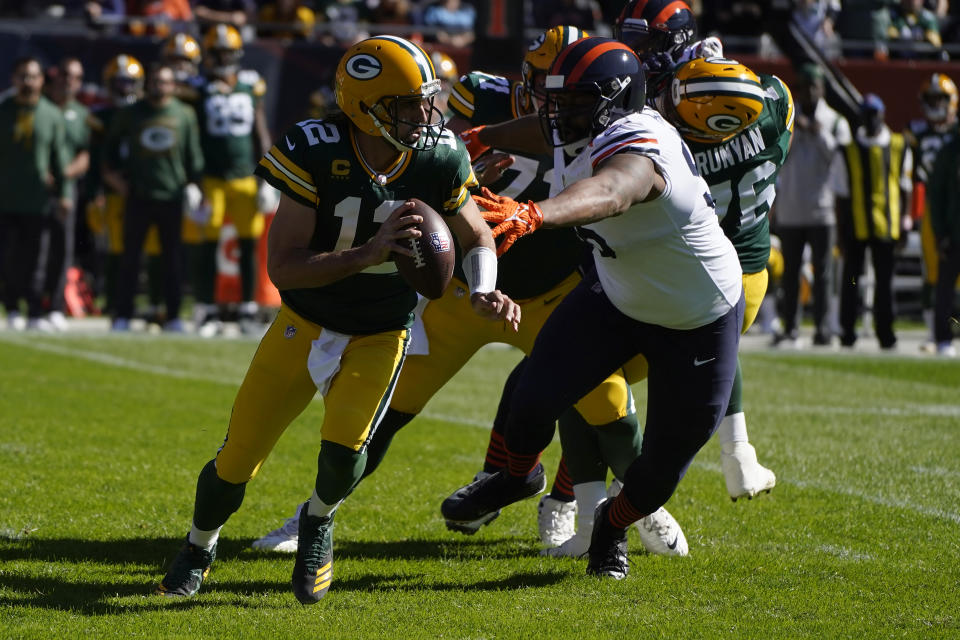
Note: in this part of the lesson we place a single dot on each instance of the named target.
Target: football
(430, 268)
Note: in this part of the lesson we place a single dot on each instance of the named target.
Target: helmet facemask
(936, 107)
(389, 115)
(225, 62)
(579, 112)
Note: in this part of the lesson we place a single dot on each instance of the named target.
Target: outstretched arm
(619, 183)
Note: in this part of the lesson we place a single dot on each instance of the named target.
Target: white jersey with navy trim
(667, 261)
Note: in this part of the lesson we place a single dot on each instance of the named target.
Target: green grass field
(101, 439)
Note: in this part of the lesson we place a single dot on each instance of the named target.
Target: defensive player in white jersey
(667, 285)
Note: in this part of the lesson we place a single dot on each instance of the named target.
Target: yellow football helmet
(223, 48)
(377, 77)
(445, 67)
(540, 55)
(939, 97)
(183, 52)
(123, 79)
(712, 99)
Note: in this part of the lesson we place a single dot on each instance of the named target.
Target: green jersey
(317, 163)
(156, 148)
(926, 141)
(226, 115)
(32, 147)
(742, 174)
(540, 261)
(76, 118)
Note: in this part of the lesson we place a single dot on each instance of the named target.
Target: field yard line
(102, 358)
(115, 361)
(854, 493)
(770, 359)
(936, 410)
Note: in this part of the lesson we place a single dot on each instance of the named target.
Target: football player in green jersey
(738, 126)
(344, 324)
(233, 126)
(538, 272)
(939, 98)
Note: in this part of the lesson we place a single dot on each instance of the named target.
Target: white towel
(324, 360)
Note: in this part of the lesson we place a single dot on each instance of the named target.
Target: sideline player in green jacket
(33, 160)
(344, 324)
(152, 158)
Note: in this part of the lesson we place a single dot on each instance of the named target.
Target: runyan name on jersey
(729, 154)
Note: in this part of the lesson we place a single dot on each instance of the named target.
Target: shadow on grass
(139, 564)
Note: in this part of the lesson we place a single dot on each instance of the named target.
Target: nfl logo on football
(440, 242)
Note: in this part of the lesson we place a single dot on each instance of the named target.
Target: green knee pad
(581, 449)
(619, 443)
(338, 469)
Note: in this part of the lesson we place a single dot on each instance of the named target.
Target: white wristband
(480, 267)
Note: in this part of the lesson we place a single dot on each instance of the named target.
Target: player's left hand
(490, 167)
(497, 306)
(513, 219)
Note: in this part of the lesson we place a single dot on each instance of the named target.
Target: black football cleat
(607, 555)
(313, 568)
(188, 571)
(491, 493)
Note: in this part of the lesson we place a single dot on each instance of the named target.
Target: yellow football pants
(278, 387)
(236, 198)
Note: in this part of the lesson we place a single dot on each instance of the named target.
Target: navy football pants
(585, 340)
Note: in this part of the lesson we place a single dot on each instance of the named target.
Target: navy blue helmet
(591, 83)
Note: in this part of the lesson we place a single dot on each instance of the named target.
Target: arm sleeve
(463, 181)
(284, 167)
(463, 95)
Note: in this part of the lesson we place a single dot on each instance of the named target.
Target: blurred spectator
(298, 18)
(916, 29)
(33, 159)
(59, 235)
(582, 13)
(454, 20)
(939, 99)
(865, 22)
(96, 9)
(817, 19)
(159, 12)
(392, 12)
(152, 157)
(235, 12)
(944, 197)
(804, 211)
(939, 8)
(873, 190)
(346, 20)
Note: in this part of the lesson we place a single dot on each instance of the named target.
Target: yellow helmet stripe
(422, 59)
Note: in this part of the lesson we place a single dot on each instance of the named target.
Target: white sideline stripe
(936, 410)
(936, 471)
(115, 361)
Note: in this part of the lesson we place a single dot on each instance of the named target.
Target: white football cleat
(283, 539)
(575, 547)
(743, 474)
(661, 534)
(58, 320)
(556, 521)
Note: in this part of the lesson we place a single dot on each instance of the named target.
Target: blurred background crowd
(62, 201)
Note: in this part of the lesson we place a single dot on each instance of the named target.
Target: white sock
(733, 428)
(204, 539)
(319, 508)
(588, 495)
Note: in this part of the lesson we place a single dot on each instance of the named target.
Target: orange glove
(513, 219)
(471, 138)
